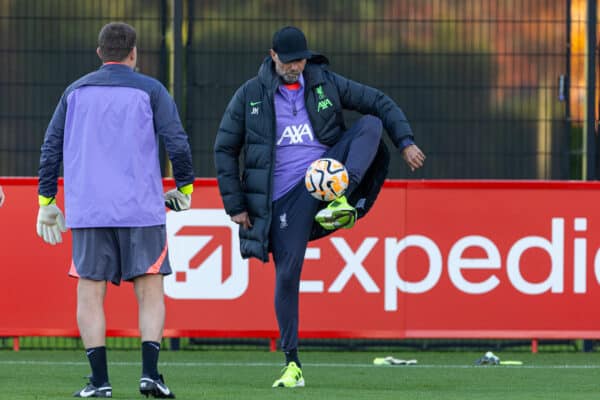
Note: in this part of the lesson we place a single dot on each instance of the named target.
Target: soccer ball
(326, 179)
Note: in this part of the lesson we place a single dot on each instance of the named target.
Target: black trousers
(293, 218)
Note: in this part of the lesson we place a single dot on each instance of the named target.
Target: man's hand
(50, 224)
(413, 156)
(242, 219)
(177, 201)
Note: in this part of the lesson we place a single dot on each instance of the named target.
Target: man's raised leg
(356, 150)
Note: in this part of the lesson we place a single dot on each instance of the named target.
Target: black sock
(97, 359)
(292, 355)
(150, 359)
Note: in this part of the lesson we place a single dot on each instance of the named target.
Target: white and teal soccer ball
(326, 179)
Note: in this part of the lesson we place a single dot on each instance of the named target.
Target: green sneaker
(338, 214)
(291, 377)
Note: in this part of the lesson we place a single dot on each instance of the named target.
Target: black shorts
(115, 254)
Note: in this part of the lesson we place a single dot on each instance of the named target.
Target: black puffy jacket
(248, 129)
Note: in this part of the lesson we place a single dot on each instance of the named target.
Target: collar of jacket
(116, 67)
(313, 73)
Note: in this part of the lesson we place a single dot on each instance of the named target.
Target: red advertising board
(464, 259)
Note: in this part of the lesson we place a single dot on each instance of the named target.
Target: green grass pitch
(248, 374)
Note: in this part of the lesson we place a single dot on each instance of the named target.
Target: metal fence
(478, 80)
(46, 45)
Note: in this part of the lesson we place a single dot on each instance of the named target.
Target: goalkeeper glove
(50, 221)
(179, 199)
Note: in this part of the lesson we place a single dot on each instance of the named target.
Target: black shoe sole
(157, 394)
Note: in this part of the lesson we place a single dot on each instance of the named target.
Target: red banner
(466, 259)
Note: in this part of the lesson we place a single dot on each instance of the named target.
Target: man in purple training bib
(105, 131)
(281, 121)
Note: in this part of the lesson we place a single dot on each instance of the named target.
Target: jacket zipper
(271, 102)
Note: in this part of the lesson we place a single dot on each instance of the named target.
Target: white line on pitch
(312, 365)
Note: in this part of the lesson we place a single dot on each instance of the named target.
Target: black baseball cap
(290, 44)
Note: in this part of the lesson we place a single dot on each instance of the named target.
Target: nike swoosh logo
(85, 393)
(163, 389)
(155, 346)
(90, 393)
(255, 103)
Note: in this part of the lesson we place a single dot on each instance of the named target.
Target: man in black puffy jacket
(277, 124)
